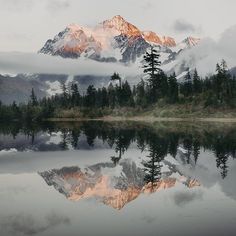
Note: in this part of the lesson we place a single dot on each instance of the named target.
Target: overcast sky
(25, 25)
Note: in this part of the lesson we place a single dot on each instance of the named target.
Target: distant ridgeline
(218, 90)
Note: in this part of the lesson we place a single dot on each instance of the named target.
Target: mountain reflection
(159, 140)
(114, 184)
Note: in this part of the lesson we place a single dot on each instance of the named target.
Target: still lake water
(96, 178)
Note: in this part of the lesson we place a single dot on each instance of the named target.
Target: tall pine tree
(197, 84)
(173, 92)
(33, 98)
(152, 68)
(187, 87)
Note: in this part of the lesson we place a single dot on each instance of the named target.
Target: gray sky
(25, 25)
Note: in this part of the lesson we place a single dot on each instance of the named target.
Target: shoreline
(149, 119)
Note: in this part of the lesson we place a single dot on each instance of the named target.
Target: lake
(118, 178)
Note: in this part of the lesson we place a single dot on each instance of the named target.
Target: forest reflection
(159, 140)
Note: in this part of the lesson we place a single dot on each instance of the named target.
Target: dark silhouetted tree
(116, 77)
(173, 91)
(152, 68)
(197, 84)
(33, 98)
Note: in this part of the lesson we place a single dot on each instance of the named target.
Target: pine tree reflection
(158, 149)
(64, 140)
(74, 138)
(121, 143)
(160, 141)
(196, 150)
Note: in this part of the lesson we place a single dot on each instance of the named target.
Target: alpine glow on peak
(113, 40)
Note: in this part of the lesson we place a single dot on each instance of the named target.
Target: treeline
(218, 90)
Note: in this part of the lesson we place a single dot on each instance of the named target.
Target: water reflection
(159, 140)
(115, 184)
(101, 178)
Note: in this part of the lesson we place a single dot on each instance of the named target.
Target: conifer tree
(197, 85)
(164, 86)
(116, 77)
(173, 92)
(65, 94)
(141, 99)
(15, 110)
(126, 95)
(64, 89)
(152, 68)
(104, 95)
(187, 87)
(221, 82)
(111, 96)
(33, 98)
(90, 96)
(75, 95)
(152, 64)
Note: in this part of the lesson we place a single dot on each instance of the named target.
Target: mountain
(18, 87)
(113, 40)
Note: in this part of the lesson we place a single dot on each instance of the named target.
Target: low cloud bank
(205, 56)
(15, 62)
(24, 224)
(183, 198)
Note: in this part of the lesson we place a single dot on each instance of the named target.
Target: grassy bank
(177, 112)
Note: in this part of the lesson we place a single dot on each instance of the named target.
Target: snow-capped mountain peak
(74, 27)
(72, 42)
(152, 37)
(168, 41)
(191, 41)
(115, 40)
(122, 26)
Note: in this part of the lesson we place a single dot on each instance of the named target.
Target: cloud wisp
(58, 5)
(204, 56)
(15, 63)
(182, 26)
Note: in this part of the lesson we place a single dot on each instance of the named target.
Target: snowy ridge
(113, 40)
